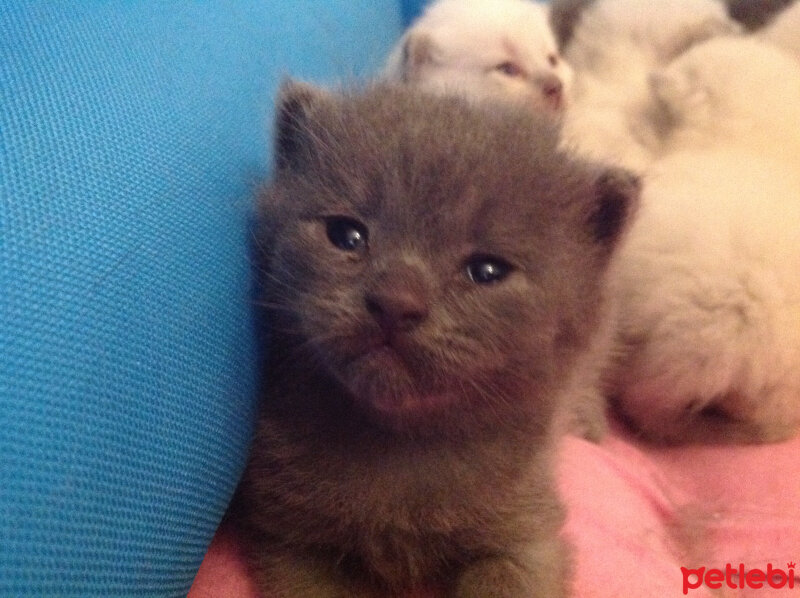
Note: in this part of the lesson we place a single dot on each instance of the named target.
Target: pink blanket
(648, 522)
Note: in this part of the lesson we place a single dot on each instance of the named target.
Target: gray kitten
(433, 272)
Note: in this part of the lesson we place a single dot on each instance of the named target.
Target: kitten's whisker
(257, 241)
(281, 280)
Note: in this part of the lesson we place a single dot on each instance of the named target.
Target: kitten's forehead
(471, 33)
(403, 135)
(441, 166)
(474, 17)
(525, 38)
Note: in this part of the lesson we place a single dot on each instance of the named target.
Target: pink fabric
(629, 503)
(637, 514)
(223, 573)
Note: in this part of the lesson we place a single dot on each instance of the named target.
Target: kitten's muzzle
(398, 300)
(553, 91)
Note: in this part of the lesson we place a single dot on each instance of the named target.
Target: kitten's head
(443, 263)
(729, 85)
(489, 50)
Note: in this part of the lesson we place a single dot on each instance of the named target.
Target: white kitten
(784, 30)
(615, 46)
(485, 49)
(709, 278)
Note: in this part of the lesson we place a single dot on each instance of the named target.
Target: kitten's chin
(382, 384)
(409, 410)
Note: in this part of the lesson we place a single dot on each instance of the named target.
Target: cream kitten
(615, 46)
(710, 275)
(485, 49)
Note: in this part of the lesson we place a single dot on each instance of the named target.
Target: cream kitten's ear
(295, 108)
(616, 200)
(419, 50)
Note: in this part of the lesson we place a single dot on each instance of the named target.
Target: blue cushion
(412, 9)
(132, 135)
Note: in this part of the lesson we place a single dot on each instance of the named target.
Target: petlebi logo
(740, 577)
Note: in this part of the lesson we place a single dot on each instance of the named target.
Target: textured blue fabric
(131, 137)
(411, 9)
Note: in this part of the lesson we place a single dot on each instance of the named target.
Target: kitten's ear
(419, 50)
(616, 200)
(294, 113)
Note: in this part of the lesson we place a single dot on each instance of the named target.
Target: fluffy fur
(784, 31)
(714, 97)
(752, 14)
(434, 274)
(614, 48)
(485, 49)
(564, 17)
(710, 275)
(655, 31)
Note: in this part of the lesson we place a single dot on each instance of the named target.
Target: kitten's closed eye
(483, 269)
(552, 59)
(510, 69)
(346, 233)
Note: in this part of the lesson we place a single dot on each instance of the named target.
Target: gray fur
(564, 17)
(406, 433)
(754, 14)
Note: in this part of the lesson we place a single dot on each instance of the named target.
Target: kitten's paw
(588, 418)
(576, 421)
(593, 431)
(542, 571)
(294, 576)
(583, 412)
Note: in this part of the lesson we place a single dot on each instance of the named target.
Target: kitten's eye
(552, 59)
(346, 233)
(510, 69)
(487, 270)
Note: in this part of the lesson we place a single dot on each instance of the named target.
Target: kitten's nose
(398, 300)
(552, 90)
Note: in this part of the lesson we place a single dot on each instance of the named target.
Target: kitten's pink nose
(552, 90)
(398, 300)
